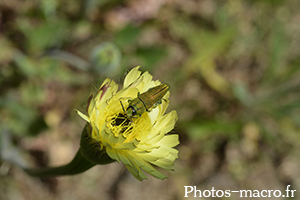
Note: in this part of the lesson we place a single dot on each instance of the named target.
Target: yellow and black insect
(145, 101)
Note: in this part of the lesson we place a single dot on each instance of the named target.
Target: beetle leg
(122, 107)
(125, 113)
(158, 102)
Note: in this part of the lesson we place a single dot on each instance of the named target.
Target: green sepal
(91, 149)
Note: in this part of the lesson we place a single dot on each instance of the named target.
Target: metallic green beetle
(145, 101)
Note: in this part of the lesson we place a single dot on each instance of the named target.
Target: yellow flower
(139, 142)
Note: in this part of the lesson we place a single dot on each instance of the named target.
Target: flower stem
(77, 165)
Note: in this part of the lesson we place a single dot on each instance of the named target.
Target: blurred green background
(233, 68)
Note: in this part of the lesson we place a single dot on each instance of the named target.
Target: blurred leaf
(10, 77)
(293, 70)
(295, 118)
(17, 117)
(26, 65)
(92, 4)
(42, 36)
(127, 36)
(269, 93)
(81, 30)
(207, 47)
(49, 7)
(32, 93)
(58, 71)
(9, 152)
(69, 58)
(150, 56)
(241, 92)
(293, 106)
(204, 129)
(278, 50)
(6, 54)
(47, 68)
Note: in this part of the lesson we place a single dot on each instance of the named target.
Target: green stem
(87, 156)
(77, 165)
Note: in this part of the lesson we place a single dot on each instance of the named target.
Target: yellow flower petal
(132, 76)
(83, 116)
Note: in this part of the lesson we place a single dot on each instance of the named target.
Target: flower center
(120, 124)
(129, 129)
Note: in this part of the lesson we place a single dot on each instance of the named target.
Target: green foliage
(127, 36)
(149, 57)
(48, 34)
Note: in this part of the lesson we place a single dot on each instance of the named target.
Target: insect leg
(122, 107)
(125, 113)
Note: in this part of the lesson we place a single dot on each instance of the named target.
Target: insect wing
(153, 95)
